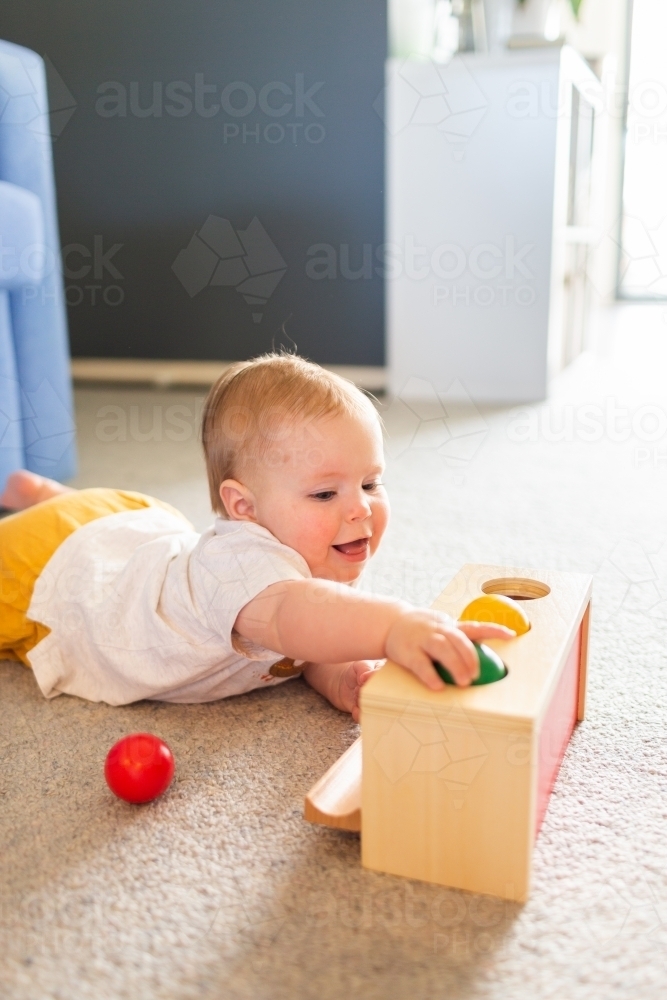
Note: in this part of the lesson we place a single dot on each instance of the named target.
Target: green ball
(491, 667)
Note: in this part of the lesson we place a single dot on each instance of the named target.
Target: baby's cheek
(316, 535)
(380, 522)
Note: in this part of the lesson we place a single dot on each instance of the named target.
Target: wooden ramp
(336, 798)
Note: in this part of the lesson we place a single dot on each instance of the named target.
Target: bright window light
(643, 263)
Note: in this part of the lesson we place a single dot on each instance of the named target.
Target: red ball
(139, 767)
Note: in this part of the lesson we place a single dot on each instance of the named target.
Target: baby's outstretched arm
(328, 623)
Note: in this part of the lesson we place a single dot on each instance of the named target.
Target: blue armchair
(36, 414)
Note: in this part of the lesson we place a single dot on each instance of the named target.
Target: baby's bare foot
(24, 489)
(352, 680)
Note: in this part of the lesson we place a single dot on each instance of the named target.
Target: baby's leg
(25, 489)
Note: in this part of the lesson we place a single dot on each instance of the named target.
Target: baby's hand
(351, 680)
(419, 637)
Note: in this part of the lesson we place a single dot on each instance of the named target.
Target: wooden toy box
(451, 787)
(455, 784)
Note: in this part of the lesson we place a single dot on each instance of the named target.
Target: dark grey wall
(149, 183)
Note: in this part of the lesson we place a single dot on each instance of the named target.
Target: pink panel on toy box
(557, 727)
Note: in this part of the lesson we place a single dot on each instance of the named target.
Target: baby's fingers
(455, 652)
(485, 630)
(421, 665)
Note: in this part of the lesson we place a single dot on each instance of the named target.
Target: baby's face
(319, 491)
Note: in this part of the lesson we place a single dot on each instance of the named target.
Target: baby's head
(298, 450)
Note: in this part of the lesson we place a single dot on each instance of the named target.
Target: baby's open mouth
(358, 547)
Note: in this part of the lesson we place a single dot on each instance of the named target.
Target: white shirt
(141, 606)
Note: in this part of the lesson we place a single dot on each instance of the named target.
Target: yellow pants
(29, 538)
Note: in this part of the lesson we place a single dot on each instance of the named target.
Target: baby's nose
(361, 508)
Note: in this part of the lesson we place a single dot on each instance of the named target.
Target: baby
(111, 595)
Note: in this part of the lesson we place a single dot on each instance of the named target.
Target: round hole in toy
(519, 588)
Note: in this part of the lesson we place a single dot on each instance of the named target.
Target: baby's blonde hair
(250, 405)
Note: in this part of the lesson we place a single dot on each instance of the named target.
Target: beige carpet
(220, 890)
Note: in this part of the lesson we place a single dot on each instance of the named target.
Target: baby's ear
(238, 501)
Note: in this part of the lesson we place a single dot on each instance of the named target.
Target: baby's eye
(324, 495)
(371, 486)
